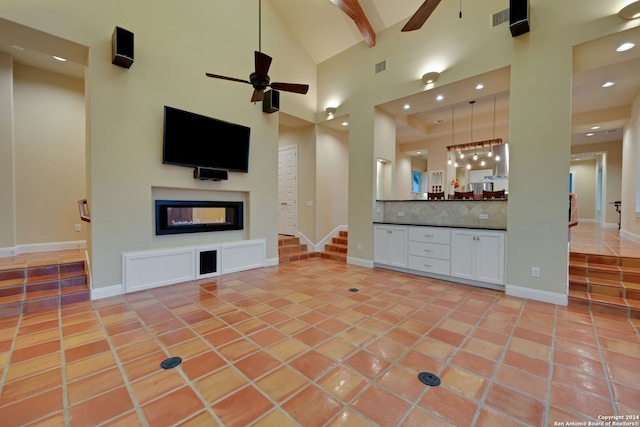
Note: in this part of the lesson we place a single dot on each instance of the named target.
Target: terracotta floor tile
(204, 363)
(287, 349)
(34, 366)
(172, 408)
(276, 418)
(23, 388)
(312, 336)
(324, 407)
(89, 365)
(390, 413)
(417, 362)
(343, 383)
(219, 384)
(403, 383)
(435, 348)
(579, 402)
(94, 411)
(37, 350)
(386, 349)
(466, 383)
(420, 418)
(88, 387)
(158, 383)
(474, 363)
(189, 349)
(515, 404)
(580, 380)
(257, 364)
(522, 361)
(337, 349)
(449, 405)
(367, 364)
(86, 350)
(532, 385)
(128, 419)
(238, 349)
(234, 411)
(282, 383)
(312, 364)
(348, 418)
(32, 408)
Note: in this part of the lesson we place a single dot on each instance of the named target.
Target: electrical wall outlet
(483, 216)
(535, 271)
(77, 227)
(400, 213)
(359, 248)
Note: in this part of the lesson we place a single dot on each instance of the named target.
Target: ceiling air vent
(612, 131)
(381, 66)
(500, 18)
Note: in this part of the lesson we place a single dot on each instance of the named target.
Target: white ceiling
(324, 30)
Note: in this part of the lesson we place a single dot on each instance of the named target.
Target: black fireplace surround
(196, 216)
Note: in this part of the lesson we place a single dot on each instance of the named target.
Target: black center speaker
(271, 101)
(518, 17)
(122, 47)
(212, 174)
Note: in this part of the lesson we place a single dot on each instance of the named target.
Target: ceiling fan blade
(354, 11)
(420, 17)
(263, 62)
(258, 95)
(290, 87)
(233, 79)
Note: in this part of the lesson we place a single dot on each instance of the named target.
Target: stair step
(39, 286)
(296, 256)
(335, 247)
(336, 256)
(292, 248)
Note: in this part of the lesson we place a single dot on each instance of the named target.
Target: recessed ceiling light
(418, 152)
(479, 86)
(345, 123)
(625, 46)
(439, 97)
(595, 127)
(440, 121)
(59, 58)
(17, 47)
(406, 106)
(590, 134)
(608, 84)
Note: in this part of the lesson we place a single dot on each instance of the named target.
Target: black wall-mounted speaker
(122, 47)
(212, 174)
(271, 101)
(518, 17)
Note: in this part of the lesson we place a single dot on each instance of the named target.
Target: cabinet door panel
(398, 244)
(380, 244)
(462, 254)
(490, 257)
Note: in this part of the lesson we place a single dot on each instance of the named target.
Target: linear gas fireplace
(181, 216)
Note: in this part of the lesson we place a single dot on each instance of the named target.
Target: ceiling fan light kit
(431, 77)
(630, 11)
(259, 79)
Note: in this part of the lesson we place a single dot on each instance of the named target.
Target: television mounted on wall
(194, 140)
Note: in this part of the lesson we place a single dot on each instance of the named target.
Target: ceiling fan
(259, 78)
(422, 14)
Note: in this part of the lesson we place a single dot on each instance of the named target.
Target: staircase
(290, 249)
(28, 285)
(605, 284)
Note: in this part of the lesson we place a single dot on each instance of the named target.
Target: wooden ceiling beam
(354, 11)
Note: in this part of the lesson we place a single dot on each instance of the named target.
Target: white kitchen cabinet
(390, 245)
(478, 255)
(430, 250)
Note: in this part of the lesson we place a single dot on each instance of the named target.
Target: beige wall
(124, 107)
(584, 186)
(612, 169)
(631, 168)
(7, 153)
(49, 125)
(332, 181)
(540, 114)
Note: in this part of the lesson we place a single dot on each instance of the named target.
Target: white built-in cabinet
(478, 255)
(390, 245)
(472, 255)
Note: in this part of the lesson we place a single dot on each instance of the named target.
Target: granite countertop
(470, 227)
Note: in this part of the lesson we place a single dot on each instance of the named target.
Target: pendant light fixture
(453, 120)
(497, 158)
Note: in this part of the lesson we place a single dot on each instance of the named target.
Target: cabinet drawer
(431, 250)
(429, 265)
(430, 235)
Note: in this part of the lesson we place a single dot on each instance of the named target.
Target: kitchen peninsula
(456, 240)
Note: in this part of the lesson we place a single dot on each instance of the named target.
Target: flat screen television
(194, 140)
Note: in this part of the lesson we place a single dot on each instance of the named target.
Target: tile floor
(291, 346)
(591, 238)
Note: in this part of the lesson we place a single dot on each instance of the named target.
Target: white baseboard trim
(610, 225)
(587, 220)
(270, 262)
(106, 292)
(304, 240)
(536, 294)
(42, 247)
(629, 235)
(359, 261)
(7, 252)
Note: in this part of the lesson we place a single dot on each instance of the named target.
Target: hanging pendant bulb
(455, 165)
(475, 156)
(482, 163)
(468, 165)
(449, 161)
(461, 155)
(490, 153)
(497, 158)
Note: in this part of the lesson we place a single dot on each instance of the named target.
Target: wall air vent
(381, 66)
(612, 131)
(499, 18)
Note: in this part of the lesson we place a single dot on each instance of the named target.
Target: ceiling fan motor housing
(259, 83)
